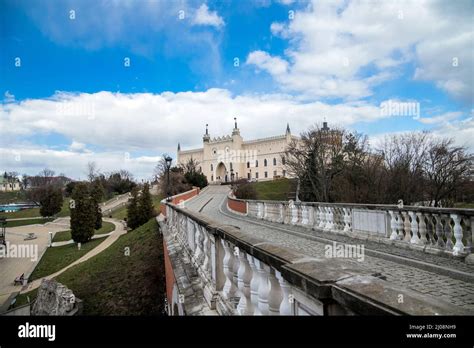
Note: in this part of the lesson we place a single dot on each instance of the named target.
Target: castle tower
(206, 138)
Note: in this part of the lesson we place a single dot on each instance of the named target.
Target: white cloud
(344, 49)
(205, 17)
(275, 65)
(444, 118)
(131, 131)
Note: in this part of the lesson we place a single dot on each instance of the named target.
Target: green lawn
(12, 197)
(61, 236)
(17, 223)
(277, 190)
(35, 212)
(112, 283)
(57, 258)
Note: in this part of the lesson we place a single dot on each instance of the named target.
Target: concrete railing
(180, 197)
(431, 229)
(237, 274)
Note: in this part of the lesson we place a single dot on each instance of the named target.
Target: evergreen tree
(145, 205)
(83, 213)
(97, 193)
(51, 200)
(133, 219)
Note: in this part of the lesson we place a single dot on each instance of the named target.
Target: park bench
(19, 280)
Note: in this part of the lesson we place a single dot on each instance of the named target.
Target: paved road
(211, 202)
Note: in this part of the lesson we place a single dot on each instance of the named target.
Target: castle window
(265, 162)
(248, 176)
(248, 164)
(256, 163)
(230, 165)
(256, 175)
(266, 174)
(283, 161)
(212, 167)
(275, 173)
(212, 177)
(284, 173)
(274, 161)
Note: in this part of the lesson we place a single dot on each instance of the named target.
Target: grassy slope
(273, 190)
(121, 213)
(17, 223)
(57, 258)
(66, 235)
(112, 283)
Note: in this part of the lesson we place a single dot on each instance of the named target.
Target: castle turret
(179, 147)
(236, 130)
(206, 138)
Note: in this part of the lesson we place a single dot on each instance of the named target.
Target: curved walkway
(212, 203)
(119, 230)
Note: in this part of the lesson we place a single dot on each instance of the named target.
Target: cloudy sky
(122, 82)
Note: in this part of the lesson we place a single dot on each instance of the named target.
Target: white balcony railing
(449, 230)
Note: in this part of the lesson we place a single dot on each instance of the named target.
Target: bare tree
(92, 171)
(446, 167)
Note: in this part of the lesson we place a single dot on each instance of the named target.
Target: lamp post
(168, 161)
(232, 174)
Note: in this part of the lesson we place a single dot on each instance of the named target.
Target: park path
(119, 230)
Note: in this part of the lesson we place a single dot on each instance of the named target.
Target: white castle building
(230, 158)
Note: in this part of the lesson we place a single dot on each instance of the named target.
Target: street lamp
(168, 161)
(232, 174)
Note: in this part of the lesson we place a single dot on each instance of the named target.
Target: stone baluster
(294, 214)
(458, 248)
(322, 216)
(304, 215)
(254, 283)
(430, 229)
(330, 219)
(469, 222)
(244, 274)
(422, 228)
(310, 215)
(206, 251)
(286, 306)
(407, 226)
(393, 225)
(439, 232)
(281, 217)
(263, 287)
(448, 232)
(197, 239)
(414, 228)
(229, 289)
(347, 219)
(275, 295)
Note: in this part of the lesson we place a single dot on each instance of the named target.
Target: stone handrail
(446, 230)
(243, 275)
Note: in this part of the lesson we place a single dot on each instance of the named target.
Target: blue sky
(300, 62)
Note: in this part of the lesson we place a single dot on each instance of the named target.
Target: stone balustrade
(235, 273)
(431, 229)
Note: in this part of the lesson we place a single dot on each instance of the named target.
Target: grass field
(57, 258)
(112, 283)
(277, 190)
(61, 236)
(12, 197)
(17, 223)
